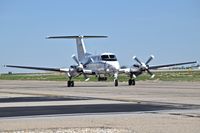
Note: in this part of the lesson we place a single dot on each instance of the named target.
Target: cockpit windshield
(108, 58)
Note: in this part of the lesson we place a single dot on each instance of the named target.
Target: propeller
(144, 66)
(79, 68)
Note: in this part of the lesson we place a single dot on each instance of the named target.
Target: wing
(40, 68)
(125, 70)
(169, 65)
(138, 71)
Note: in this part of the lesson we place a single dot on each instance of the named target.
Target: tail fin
(81, 51)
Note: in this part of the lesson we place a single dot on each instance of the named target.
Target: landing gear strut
(116, 82)
(116, 79)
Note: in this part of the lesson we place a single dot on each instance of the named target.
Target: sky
(168, 29)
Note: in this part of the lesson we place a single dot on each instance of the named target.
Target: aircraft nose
(116, 67)
(113, 66)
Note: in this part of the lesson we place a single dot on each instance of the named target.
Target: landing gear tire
(131, 82)
(116, 82)
(70, 83)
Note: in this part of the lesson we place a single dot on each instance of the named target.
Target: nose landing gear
(116, 79)
(116, 82)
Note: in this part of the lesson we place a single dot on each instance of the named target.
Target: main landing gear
(131, 82)
(116, 82)
(70, 83)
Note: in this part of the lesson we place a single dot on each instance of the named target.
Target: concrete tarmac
(150, 106)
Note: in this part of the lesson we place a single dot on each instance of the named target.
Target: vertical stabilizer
(81, 51)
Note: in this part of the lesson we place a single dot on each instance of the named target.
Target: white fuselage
(105, 63)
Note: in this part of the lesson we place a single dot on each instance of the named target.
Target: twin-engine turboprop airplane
(103, 65)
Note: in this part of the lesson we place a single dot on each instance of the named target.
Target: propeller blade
(150, 58)
(89, 61)
(86, 77)
(78, 75)
(134, 76)
(75, 59)
(152, 76)
(149, 72)
(136, 59)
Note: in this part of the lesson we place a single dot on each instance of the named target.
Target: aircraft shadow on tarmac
(78, 109)
(42, 99)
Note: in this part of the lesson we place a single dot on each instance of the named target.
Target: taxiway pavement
(150, 106)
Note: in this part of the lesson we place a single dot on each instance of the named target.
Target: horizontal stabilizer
(74, 37)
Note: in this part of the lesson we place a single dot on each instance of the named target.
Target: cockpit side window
(108, 58)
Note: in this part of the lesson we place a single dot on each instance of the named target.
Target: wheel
(129, 82)
(68, 83)
(116, 82)
(133, 82)
(72, 83)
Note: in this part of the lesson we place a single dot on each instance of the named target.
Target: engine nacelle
(72, 71)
